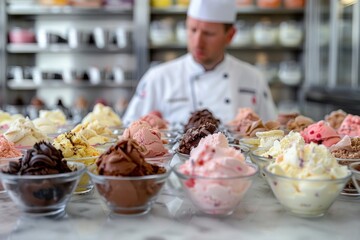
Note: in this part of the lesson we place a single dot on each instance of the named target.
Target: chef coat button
(200, 104)
(265, 94)
(225, 75)
(196, 77)
(227, 100)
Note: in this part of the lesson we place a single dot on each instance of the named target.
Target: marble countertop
(259, 216)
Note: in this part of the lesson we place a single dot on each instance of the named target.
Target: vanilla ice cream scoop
(57, 116)
(105, 115)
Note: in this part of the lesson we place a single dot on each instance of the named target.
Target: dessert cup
(6, 161)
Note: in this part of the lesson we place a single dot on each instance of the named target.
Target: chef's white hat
(222, 11)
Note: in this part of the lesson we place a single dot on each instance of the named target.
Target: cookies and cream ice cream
(105, 115)
(320, 133)
(23, 133)
(74, 145)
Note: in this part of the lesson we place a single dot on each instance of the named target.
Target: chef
(206, 77)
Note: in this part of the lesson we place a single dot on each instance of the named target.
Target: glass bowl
(85, 185)
(216, 195)
(42, 195)
(6, 161)
(355, 169)
(259, 160)
(162, 161)
(305, 197)
(349, 190)
(129, 195)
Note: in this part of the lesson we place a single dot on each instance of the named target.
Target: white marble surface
(259, 216)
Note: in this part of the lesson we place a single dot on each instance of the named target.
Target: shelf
(27, 84)
(34, 48)
(178, 46)
(66, 10)
(247, 10)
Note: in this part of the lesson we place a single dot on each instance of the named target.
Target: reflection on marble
(259, 216)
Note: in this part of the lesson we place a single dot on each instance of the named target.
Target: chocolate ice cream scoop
(201, 117)
(126, 158)
(193, 136)
(42, 159)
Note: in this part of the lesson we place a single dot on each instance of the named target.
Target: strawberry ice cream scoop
(320, 133)
(350, 126)
(151, 140)
(155, 121)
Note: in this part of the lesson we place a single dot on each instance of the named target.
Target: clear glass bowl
(216, 196)
(129, 195)
(305, 197)
(355, 169)
(85, 184)
(43, 195)
(259, 160)
(182, 156)
(163, 161)
(6, 161)
(349, 189)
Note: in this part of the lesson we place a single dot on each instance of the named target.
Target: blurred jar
(161, 32)
(294, 3)
(87, 3)
(268, 3)
(265, 33)
(54, 2)
(243, 35)
(181, 34)
(268, 70)
(244, 3)
(161, 3)
(20, 35)
(183, 3)
(290, 34)
(290, 73)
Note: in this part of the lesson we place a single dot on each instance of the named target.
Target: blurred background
(74, 53)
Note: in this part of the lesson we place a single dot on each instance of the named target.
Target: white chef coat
(181, 86)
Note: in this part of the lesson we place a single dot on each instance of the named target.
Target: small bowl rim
(167, 155)
(78, 172)
(348, 159)
(133, 178)
(268, 173)
(352, 169)
(71, 159)
(185, 176)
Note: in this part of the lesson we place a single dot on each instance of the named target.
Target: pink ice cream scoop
(321, 133)
(243, 120)
(155, 121)
(134, 127)
(350, 126)
(215, 170)
(151, 140)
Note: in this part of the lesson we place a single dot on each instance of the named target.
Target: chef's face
(207, 41)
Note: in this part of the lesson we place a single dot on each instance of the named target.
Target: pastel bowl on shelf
(305, 197)
(42, 195)
(85, 184)
(129, 195)
(6, 161)
(349, 189)
(218, 196)
(355, 169)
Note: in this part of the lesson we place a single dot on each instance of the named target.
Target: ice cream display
(125, 181)
(151, 140)
(193, 136)
(57, 116)
(350, 126)
(243, 120)
(216, 176)
(320, 133)
(155, 121)
(74, 145)
(7, 149)
(105, 115)
(335, 118)
(41, 182)
(299, 123)
(201, 117)
(306, 179)
(23, 133)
